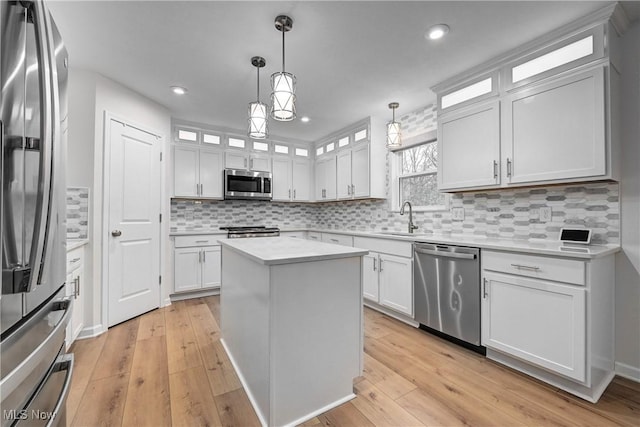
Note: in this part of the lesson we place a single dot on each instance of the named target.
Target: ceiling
(351, 58)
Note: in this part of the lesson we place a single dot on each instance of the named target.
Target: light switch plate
(457, 214)
(545, 214)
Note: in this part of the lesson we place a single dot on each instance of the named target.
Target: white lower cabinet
(388, 279)
(551, 317)
(538, 321)
(74, 285)
(196, 267)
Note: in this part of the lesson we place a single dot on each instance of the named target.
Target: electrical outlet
(457, 214)
(545, 214)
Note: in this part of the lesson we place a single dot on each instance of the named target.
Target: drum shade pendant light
(283, 84)
(394, 136)
(258, 126)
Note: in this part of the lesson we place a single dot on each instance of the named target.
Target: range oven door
(242, 184)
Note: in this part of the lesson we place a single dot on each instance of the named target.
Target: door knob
(116, 233)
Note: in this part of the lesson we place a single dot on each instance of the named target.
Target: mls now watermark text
(24, 414)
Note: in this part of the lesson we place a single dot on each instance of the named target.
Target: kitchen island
(291, 321)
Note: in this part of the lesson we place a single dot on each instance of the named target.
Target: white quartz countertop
(76, 243)
(541, 247)
(288, 250)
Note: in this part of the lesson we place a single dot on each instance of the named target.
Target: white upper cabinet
(301, 179)
(242, 160)
(197, 172)
(469, 147)
(550, 118)
(326, 178)
(281, 184)
(357, 158)
(557, 130)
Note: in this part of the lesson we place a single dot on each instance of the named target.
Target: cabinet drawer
(337, 239)
(75, 258)
(548, 268)
(314, 235)
(386, 246)
(199, 240)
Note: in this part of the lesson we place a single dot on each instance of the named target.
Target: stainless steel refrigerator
(35, 371)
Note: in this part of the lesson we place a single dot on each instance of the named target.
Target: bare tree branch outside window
(418, 176)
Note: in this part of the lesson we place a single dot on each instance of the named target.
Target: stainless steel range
(252, 231)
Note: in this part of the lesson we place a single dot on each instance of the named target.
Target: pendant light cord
(258, 85)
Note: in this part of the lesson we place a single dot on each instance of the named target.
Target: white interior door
(134, 225)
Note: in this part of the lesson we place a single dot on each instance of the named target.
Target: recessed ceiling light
(304, 119)
(437, 31)
(178, 90)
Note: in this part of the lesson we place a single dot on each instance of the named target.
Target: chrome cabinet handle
(525, 267)
(380, 266)
(251, 164)
(245, 162)
(484, 288)
(335, 240)
(204, 256)
(495, 169)
(353, 190)
(374, 264)
(200, 257)
(76, 291)
(508, 167)
(289, 193)
(202, 189)
(294, 194)
(116, 233)
(348, 190)
(202, 241)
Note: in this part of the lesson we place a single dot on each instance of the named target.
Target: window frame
(396, 177)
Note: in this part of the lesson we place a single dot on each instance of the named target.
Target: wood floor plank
(117, 352)
(182, 348)
(430, 410)
(345, 415)
(192, 403)
(467, 406)
(220, 372)
(222, 377)
(151, 324)
(236, 410)
(103, 402)
(213, 303)
(410, 378)
(310, 423)
(86, 353)
(379, 408)
(389, 382)
(148, 400)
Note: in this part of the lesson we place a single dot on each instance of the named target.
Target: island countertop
(288, 250)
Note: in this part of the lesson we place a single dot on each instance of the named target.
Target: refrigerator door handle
(43, 204)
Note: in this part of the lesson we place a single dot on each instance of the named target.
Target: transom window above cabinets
(302, 152)
(187, 135)
(330, 147)
(280, 149)
(209, 138)
(236, 142)
(360, 135)
(343, 142)
(320, 151)
(260, 146)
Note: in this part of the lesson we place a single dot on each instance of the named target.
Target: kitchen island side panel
(244, 322)
(316, 327)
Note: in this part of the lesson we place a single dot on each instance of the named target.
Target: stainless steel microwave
(243, 184)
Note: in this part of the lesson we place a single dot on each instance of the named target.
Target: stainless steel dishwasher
(447, 291)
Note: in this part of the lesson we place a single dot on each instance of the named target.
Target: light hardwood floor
(167, 367)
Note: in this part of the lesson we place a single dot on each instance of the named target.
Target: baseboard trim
(91, 331)
(404, 319)
(167, 302)
(195, 294)
(627, 371)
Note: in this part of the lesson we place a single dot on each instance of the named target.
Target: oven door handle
(445, 254)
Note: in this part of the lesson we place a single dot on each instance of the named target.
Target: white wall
(91, 95)
(628, 261)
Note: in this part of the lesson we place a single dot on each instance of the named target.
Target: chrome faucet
(411, 226)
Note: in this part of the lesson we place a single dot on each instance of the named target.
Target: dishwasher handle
(445, 254)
